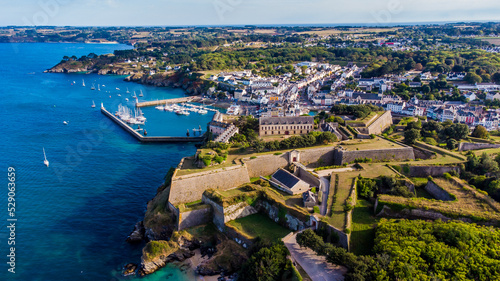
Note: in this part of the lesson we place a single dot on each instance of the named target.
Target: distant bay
(74, 217)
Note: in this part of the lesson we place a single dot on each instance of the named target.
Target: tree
(480, 132)
(267, 264)
(488, 165)
(411, 136)
(451, 144)
(456, 131)
(473, 78)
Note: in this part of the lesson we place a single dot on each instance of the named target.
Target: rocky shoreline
(187, 252)
(192, 84)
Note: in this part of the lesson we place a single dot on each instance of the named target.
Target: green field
(363, 228)
(259, 225)
(376, 143)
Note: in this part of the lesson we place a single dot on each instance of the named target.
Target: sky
(241, 12)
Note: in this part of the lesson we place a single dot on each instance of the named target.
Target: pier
(142, 138)
(167, 101)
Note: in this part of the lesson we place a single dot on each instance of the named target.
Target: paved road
(325, 187)
(316, 266)
(326, 173)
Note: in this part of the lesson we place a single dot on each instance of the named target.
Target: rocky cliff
(190, 82)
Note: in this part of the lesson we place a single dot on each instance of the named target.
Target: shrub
(373, 136)
(447, 176)
(362, 160)
(253, 157)
(348, 206)
(313, 190)
(262, 182)
(430, 141)
(248, 187)
(207, 160)
(316, 209)
(219, 159)
(278, 153)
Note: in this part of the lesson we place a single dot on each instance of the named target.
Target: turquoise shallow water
(74, 217)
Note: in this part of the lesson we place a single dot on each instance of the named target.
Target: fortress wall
(189, 188)
(465, 146)
(194, 218)
(266, 164)
(322, 155)
(437, 192)
(379, 125)
(403, 153)
(425, 171)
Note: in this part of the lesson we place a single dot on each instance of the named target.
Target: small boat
(141, 95)
(93, 87)
(83, 82)
(45, 161)
(117, 88)
(65, 122)
(93, 104)
(134, 96)
(202, 111)
(126, 99)
(98, 87)
(119, 95)
(103, 85)
(128, 92)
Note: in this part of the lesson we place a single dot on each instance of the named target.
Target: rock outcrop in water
(137, 234)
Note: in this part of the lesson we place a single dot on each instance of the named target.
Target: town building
(285, 125)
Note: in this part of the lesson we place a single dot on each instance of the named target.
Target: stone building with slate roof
(296, 125)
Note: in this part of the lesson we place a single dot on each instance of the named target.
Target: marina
(166, 101)
(155, 139)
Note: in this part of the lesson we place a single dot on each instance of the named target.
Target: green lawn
(372, 170)
(376, 143)
(259, 225)
(363, 228)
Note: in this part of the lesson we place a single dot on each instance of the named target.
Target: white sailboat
(128, 92)
(83, 82)
(141, 95)
(93, 104)
(93, 87)
(98, 87)
(45, 161)
(65, 122)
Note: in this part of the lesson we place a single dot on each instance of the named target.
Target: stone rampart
(437, 192)
(434, 171)
(379, 125)
(192, 218)
(189, 188)
(343, 156)
(265, 165)
(222, 215)
(465, 146)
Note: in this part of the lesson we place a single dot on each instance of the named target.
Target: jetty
(167, 101)
(142, 138)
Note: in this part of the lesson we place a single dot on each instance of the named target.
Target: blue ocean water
(73, 217)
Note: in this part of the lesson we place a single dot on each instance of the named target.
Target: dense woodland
(419, 250)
